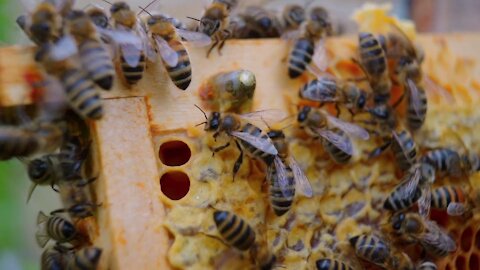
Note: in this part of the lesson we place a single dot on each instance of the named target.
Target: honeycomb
(347, 199)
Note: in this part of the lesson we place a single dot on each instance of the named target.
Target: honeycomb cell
(473, 262)
(466, 239)
(174, 153)
(175, 184)
(460, 263)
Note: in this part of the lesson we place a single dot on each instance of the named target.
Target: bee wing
(411, 182)
(264, 144)
(198, 39)
(282, 176)
(302, 183)
(348, 128)
(63, 48)
(456, 209)
(425, 201)
(290, 34)
(147, 46)
(414, 96)
(130, 44)
(337, 140)
(398, 141)
(320, 57)
(437, 237)
(437, 89)
(261, 118)
(168, 54)
(31, 189)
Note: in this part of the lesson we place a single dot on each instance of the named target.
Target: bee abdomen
(397, 201)
(427, 266)
(96, 60)
(82, 95)
(87, 258)
(281, 198)
(338, 155)
(181, 74)
(324, 90)
(133, 74)
(372, 54)
(404, 158)
(300, 57)
(52, 259)
(443, 196)
(17, 142)
(60, 229)
(371, 248)
(331, 264)
(415, 121)
(234, 230)
(252, 150)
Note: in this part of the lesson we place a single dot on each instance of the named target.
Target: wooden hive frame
(138, 120)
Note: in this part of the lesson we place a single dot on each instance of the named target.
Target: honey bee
(339, 155)
(284, 182)
(310, 46)
(331, 90)
(55, 228)
(77, 199)
(234, 230)
(414, 228)
(448, 162)
(292, 17)
(415, 187)
(60, 60)
(417, 110)
(257, 22)
(426, 266)
(98, 16)
(94, 56)
(62, 257)
(373, 62)
(318, 123)
(332, 264)
(215, 22)
(247, 136)
(43, 24)
(229, 91)
(376, 250)
(29, 139)
(453, 199)
(403, 148)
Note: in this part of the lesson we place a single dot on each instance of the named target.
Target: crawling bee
(234, 230)
(284, 182)
(310, 46)
(215, 22)
(373, 62)
(256, 22)
(332, 264)
(173, 53)
(448, 162)
(318, 123)
(60, 60)
(77, 199)
(247, 136)
(94, 56)
(55, 228)
(44, 24)
(374, 249)
(62, 257)
(415, 187)
(403, 148)
(29, 139)
(331, 90)
(453, 199)
(229, 91)
(292, 17)
(414, 228)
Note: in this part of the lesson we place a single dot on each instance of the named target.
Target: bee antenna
(200, 124)
(107, 2)
(204, 113)
(191, 18)
(142, 10)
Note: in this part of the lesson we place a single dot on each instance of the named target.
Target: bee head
(119, 6)
(265, 22)
(303, 114)
(276, 134)
(41, 30)
(91, 255)
(210, 22)
(397, 221)
(380, 112)
(427, 172)
(213, 122)
(39, 170)
(296, 14)
(362, 99)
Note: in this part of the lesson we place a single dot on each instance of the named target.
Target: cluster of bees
(82, 51)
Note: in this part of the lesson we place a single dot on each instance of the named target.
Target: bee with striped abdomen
(215, 22)
(453, 199)
(309, 47)
(426, 266)
(94, 57)
(331, 90)
(414, 228)
(55, 228)
(258, 22)
(62, 257)
(318, 123)
(449, 162)
(402, 146)
(234, 230)
(285, 176)
(60, 60)
(373, 62)
(332, 264)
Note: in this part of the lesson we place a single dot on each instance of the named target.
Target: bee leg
(215, 135)
(337, 107)
(225, 35)
(86, 182)
(54, 188)
(220, 148)
(377, 151)
(238, 162)
(215, 43)
(395, 105)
